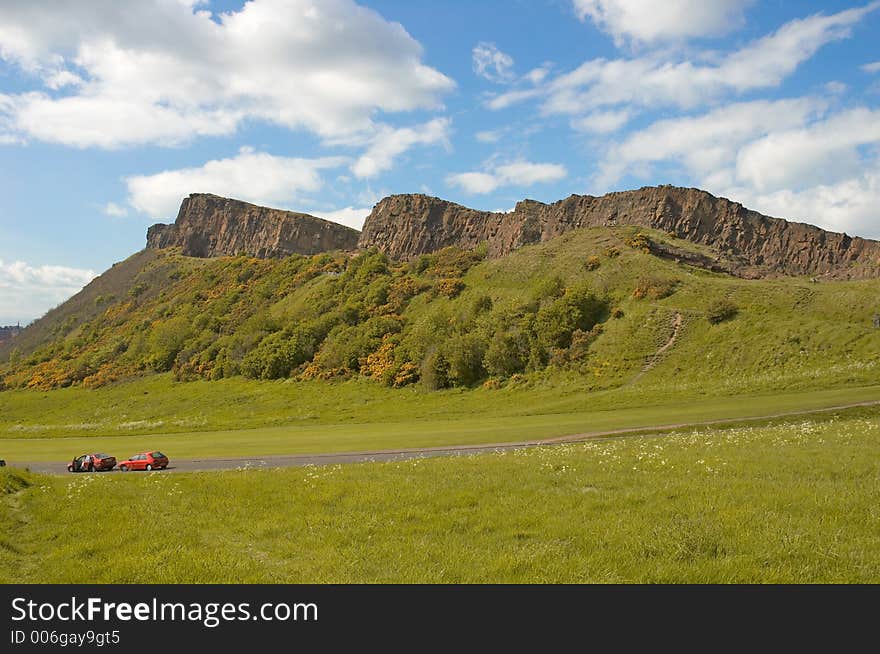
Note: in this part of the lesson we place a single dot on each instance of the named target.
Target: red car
(145, 461)
(92, 463)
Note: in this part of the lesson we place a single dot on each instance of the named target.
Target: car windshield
(158, 455)
(102, 456)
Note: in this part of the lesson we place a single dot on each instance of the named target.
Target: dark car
(92, 463)
(2, 463)
(146, 461)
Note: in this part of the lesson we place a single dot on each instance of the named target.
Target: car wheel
(123, 468)
(148, 468)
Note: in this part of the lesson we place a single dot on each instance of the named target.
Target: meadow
(261, 419)
(794, 502)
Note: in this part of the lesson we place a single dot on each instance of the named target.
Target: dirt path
(677, 321)
(336, 458)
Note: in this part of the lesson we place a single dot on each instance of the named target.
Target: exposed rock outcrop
(405, 226)
(211, 226)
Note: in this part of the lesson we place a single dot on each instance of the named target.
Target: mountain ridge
(406, 226)
(208, 225)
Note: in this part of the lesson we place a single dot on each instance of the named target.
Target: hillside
(407, 226)
(597, 305)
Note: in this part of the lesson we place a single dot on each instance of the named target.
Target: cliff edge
(405, 226)
(211, 226)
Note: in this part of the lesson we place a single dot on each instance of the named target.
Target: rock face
(405, 226)
(211, 226)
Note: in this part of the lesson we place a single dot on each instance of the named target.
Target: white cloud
(654, 81)
(251, 176)
(601, 122)
(872, 67)
(163, 71)
(350, 216)
(659, 21)
(390, 142)
(27, 292)
(821, 153)
(517, 173)
(489, 136)
(537, 75)
(492, 64)
(115, 210)
(786, 158)
(847, 206)
(706, 144)
(473, 182)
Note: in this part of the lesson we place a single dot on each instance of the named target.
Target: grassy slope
(790, 503)
(807, 344)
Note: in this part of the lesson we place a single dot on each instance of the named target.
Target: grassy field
(512, 417)
(796, 502)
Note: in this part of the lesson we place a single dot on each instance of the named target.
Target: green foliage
(465, 354)
(279, 354)
(655, 288)
(506, 355)
(435, 371)
(167, 338)
(579, 308)
(532, 313)
(449, 287)
(720, 310)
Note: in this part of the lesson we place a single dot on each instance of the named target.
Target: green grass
(792, 503)
(512, 417)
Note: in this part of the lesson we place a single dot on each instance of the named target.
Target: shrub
(278, 355)
(449, 287)
(592, 263)
(407, 374)
(721, 310)
(481, 305)
(579, 308)
(617, 313)
(639, 242)
(550, 288)
(655, 288)
(611, 252)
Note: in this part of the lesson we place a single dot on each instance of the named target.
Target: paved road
(333, 458)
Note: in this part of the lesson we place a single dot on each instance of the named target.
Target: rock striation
(211, 226)
(405, 226)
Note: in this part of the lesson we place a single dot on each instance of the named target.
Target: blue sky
(110, 112)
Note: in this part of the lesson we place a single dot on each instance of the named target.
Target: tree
(506, 355)
(435, 371)
(465, 354)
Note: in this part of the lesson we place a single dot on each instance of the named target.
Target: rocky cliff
(211, 226)
(405, 226)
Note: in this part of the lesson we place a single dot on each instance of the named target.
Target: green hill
(593, 306)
